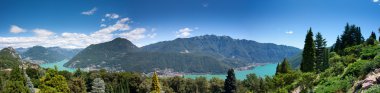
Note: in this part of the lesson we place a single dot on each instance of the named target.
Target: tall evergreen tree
(320, 44)
(155, 83)
(278, 69)
(284, 67)
(371, 39)
(379, 35)
(351, 36)
(308, 54)
(230, 82)
(325, 63)
(77, 73)
(338, 45)
(373, 35)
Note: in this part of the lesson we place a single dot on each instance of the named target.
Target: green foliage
(230, 82)
(9, 58)
(372, 39)
(306, 81)
(369, 52)
(52, 82)
(334, 85)
(308, 54)
(77, 85)
(78, 73)
(373, 89)
(202, 84)
(155, 83)
(282, 80)
(334, 70)
(338, 46)
(15, 87)
(356, 69)
(32, 73)
(362, 67)
(351, 36)
(283, 67)
(216, 85)
(255, 84)
(348, 59)
(321, 62)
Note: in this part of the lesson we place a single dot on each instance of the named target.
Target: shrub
(335, 85)
(369, 52)
(373, 89)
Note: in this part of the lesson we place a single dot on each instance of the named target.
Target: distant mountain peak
(11, 51)
(212, 37)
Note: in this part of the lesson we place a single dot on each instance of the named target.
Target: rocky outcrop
(371, 79)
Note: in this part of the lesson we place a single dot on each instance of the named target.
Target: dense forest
(350, 65)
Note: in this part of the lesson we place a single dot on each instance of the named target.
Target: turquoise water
(261, 71)
(59, 66)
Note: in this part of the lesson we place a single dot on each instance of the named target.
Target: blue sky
(79, 23)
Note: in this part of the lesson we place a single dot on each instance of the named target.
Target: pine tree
(278, 69)
(285, 68)
(320, 44)
(77, 73)
(308, 54)
(155, 83)
(338, 46)
(325, 63)
(372, 39)
(351, 36)
(230, 82)
(379, 35)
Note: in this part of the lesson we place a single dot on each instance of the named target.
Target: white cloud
(103, 25)
(135, 34)
(16, 29)
(42, 32)
(47, 38)
(90, 12)
(184, 32)
(103, 20)
(375, 1)
(112, 16)
(289, 32)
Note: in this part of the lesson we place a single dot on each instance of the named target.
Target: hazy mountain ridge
(47, 55)
(225, 47)
(202, 54)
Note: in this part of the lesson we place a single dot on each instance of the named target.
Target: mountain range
(40, 54)
(200, 54)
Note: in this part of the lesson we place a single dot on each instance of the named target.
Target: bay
(59, 65)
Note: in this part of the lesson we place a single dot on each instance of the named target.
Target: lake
(261, 71)
(59, 66)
